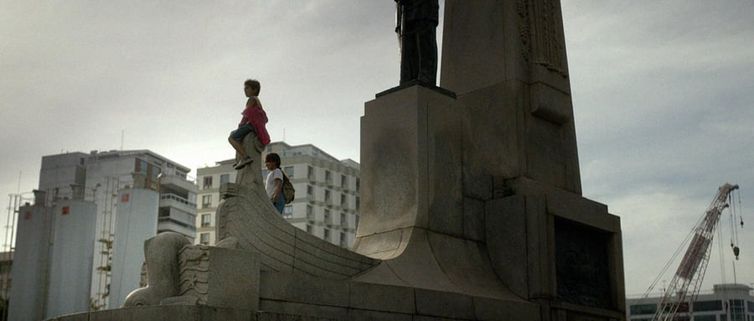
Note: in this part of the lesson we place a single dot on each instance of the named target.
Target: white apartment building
(327, 193)
(726, 302)
(102, 178)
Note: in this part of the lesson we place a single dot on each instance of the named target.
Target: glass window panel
(643, 309)
(708, 306)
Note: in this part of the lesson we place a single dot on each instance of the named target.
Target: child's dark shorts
(241, 132)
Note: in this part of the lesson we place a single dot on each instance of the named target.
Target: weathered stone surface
(473, 219)
(490, 309)
(302, 288)
(507, 242)
(73, 317)
(166, 313)
(411, 143)
(161, 253)
(283, 311)
(444, 304)
(213, 277)
(376, 297)
(366, 315)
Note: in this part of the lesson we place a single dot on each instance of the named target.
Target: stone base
(164, 313)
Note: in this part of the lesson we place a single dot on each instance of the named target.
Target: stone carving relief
(541, 34)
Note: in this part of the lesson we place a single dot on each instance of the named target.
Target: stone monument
(471, 205)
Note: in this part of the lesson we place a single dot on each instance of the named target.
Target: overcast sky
(662, 92)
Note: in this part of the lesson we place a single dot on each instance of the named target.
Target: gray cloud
(662, 94)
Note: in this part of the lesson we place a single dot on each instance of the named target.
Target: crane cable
(734, 217)
(670, 262)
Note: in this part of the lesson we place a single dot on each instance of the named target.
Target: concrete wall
(58, 172)
(29, 264)
(136, 222)
(71, 256)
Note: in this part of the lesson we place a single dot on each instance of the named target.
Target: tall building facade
(53, 259)
(726, 302)
(101, 178)
(327, 193)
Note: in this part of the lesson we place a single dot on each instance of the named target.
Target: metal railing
(178, 198)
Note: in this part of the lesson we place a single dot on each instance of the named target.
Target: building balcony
(178, 183)
(176, 201)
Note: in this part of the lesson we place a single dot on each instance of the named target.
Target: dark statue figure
(416, 24)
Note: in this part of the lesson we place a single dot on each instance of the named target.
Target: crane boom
(687, 280)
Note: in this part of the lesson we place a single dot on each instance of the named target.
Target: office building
(327, 193)
(726, 302)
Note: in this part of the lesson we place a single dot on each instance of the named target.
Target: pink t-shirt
(255, 116)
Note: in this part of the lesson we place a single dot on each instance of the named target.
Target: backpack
(289, 193)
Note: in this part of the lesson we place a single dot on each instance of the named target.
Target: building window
(342, 219)
(328, 177)
(327, 235)
(358, 183)
(327, 197)
(140, 166)
(310, 173)
(637, 309)
(206, 201)
(206, 220)
(343, 200)
(708, 306)
(328, 219)
(737, 310)
(343, 182)
(207, 182)
(682, 307)
(309, 213)
(224, 179)
(288, 211)
(204, 238)
(750, 306)
(310, 191)
(343, 239)
(288, 171)
(308, 229)
(358, 205)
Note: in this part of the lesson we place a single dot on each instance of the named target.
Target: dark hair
(254, 84)
(272, 157)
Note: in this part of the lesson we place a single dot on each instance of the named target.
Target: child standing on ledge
(253, 121)
(274, 186)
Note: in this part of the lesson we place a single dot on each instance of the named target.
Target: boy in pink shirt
(253, 121)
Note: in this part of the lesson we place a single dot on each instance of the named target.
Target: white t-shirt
(271, 177)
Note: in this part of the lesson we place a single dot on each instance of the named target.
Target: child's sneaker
(242, 163)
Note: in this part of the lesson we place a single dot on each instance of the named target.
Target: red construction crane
(687, 280)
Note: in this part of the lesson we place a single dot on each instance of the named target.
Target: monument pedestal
(411, 148)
